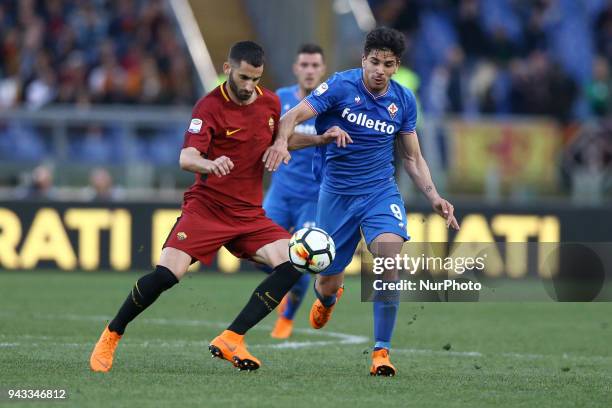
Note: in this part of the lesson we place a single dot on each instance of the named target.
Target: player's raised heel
(282, 328)
(230, 346)
(319, 314)
(101, 359)
(381, 365)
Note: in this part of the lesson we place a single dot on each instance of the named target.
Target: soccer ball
(311, 250)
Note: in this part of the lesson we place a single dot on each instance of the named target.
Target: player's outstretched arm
(417, 169)
(191, 160)
(333, 134)
(279, 151)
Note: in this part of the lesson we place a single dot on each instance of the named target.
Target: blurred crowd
(527, 57)
(464, 57)
(91, 51)
(39, 185)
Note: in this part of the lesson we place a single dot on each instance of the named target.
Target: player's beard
(241, 94)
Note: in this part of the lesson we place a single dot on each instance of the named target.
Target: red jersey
(220, 127)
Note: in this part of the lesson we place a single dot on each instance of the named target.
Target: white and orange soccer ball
(311, 250)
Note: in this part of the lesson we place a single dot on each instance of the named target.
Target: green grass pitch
(447, 354)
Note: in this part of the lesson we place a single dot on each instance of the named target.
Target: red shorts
(201, 230)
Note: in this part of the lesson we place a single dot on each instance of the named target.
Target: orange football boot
(381, 365)
(230, 346)
(283, 305)
(282, 328)
(101, 359)
(319, 314)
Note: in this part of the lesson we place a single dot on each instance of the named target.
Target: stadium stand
(507, 57)
(83, 53)
(109, 82)
(100, 51)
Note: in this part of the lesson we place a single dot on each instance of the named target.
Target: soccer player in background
(358, 189)
(291, 200)
(225, 145)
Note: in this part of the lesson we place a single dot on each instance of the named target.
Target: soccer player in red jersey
(226, 144)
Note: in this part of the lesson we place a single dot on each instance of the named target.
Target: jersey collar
(227, 98)
(365, 88)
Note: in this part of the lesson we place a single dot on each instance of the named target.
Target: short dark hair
(247, 51)
(310, 48)
(384, 38)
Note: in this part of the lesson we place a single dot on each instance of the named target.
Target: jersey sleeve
(410, 112)
(326, 95)
(201, 128)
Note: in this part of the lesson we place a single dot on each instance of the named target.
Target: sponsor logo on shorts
(271, 124)
(181, 236)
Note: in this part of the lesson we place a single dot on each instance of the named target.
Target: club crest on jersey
(195, 125)
(321, 89)
(181, 236)
(271, 124)
(392, 110)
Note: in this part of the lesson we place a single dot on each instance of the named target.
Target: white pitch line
(348, 339)
(512, 355)
(338, 338)
(167, 344)
(40, 341)
(438, 352)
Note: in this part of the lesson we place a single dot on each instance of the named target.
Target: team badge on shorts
(271, 124)
(181, 236)
(392, 110)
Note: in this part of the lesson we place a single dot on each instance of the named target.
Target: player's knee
(176, 261)
(386, 245)
(274, 254)
(282, 253)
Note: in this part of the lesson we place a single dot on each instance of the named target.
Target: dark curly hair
(384, 38)
(247, 51)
